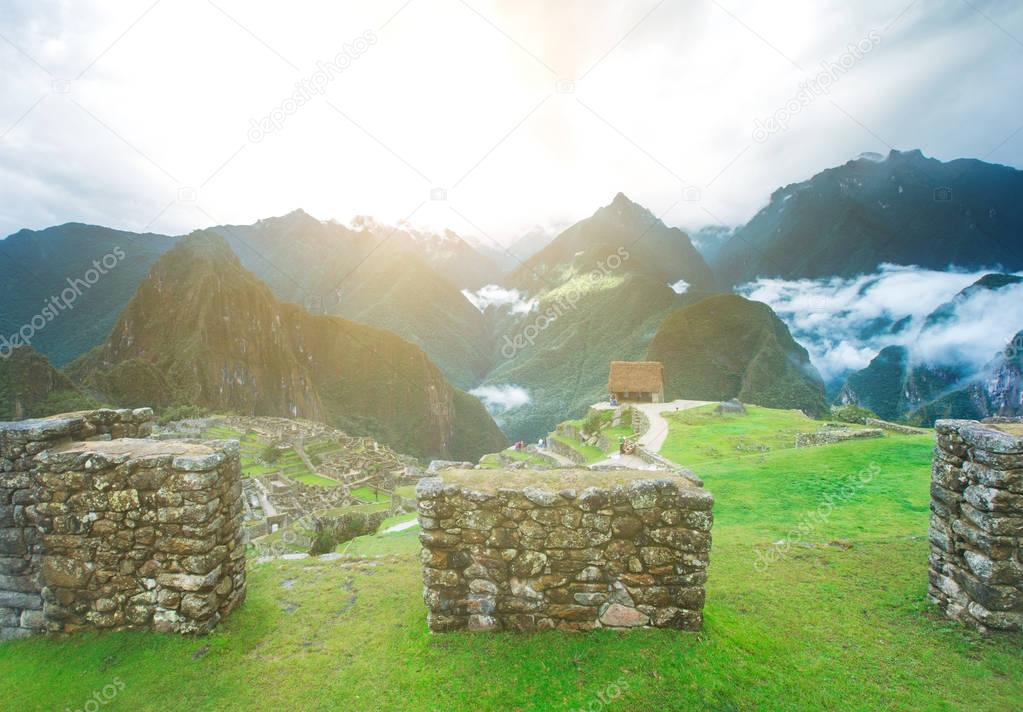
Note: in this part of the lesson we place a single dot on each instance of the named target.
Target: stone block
(95, 520)
(976, 561)
(566, 549)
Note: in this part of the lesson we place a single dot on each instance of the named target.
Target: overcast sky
(141, 115)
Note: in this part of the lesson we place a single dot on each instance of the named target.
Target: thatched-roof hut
(637, 381)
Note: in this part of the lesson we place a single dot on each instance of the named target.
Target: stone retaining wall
(895, 427)
(566, 451)
(976, 532)
(121, 533)
(836, 435)
(563, 549)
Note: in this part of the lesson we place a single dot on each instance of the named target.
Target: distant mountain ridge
(906, 209)
(38, 265)
(654, 249)
(324, 266)
(203, 330)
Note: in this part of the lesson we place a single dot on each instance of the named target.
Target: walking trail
(657, 433)
(653, 439)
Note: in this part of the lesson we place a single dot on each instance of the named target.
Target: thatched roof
(636, 377)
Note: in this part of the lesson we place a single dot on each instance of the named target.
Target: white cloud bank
(844, 323)
(493, 295)
(499, 399)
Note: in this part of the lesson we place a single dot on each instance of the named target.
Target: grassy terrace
(252, 447)
(836, 619)
(590, 453)
(700, 436)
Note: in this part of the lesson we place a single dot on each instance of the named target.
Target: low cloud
(499, 399)
(493, 295)
(844, 323)
(679, 287)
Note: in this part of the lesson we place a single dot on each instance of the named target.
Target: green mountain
(624, 228)
(726, 347)
(560, 353)
(599, 290)
(37, 267)
(906, 209)
(399, 279)
(892, 385)
(32, 388)
(203, 330)
(402, 280)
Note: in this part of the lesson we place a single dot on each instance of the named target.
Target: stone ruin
(567, 549)
(730, 407)
(102, 530)
(976, 532)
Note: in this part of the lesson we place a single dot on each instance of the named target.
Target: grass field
(836, 618)
(698, 436)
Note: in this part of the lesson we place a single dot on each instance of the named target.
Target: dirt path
(653, 439)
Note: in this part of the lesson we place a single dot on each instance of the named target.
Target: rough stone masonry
(102, 530)
(566, 549)
(976, 533)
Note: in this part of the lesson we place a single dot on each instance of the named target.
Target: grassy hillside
(700, 435)
(838, 621)
(726, 347)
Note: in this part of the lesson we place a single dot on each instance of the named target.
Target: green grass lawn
(837, 621)
(311, 479)
(368, 494)
(699, 435)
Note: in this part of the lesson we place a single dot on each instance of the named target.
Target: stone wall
(566, 451)
(836, 435)
(895, 427)
(116, 533)
(563, 549)
(976, 532)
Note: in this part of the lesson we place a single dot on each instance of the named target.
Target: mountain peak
(204, 245)
(912, 155)
(621, 200)
(623, 206)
